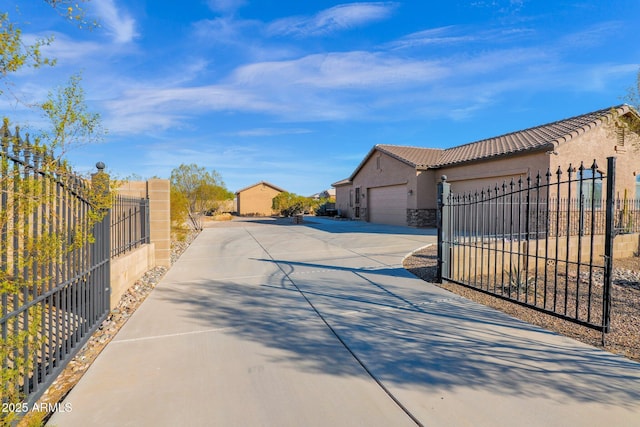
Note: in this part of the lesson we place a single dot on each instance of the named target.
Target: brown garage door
(388, 205)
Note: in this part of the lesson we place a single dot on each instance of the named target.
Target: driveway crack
(335, 333)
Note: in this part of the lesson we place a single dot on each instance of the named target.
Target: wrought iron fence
(577, 215)
(54, 284)
(544, 242)
(129, 223)
(627, 215)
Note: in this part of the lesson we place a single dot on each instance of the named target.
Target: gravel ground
(118, 316)
(624, 338)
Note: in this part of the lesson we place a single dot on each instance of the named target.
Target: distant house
(326, 194)
(397, 184)
(257, 199)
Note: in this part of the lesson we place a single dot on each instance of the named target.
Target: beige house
(256, 199)
(397, 185)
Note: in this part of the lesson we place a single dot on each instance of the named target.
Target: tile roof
(535, 138)
(413, 156)
(543, 137)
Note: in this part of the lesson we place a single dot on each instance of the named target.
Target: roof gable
(412, 156)
(262, 183)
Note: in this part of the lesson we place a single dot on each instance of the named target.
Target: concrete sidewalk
(266, 323)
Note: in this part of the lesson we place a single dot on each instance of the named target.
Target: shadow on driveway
(412, 337)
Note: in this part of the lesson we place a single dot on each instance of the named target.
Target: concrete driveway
(263, 322)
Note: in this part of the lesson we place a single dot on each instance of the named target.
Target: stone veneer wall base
(421, 217)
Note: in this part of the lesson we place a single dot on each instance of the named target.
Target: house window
(591, 187)
(378, 160)
(357, 213)
(357, 195)
(638, 187)
(350, 198)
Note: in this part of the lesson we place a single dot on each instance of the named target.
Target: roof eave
(425, 167)
(342, 183)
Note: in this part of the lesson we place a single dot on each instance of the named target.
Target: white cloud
(224, 30)
(212, 154)
(595, 36)
(140, 122)
(340, 70)
(158, 108)
(356, 85)
(225, 6)
(244, 36)
(337, 18)
(335, 86)
(462, 36)
(121, 25)
(187, 70)
(599, 77)
(432, 36)
(502, 6)
(63, 48)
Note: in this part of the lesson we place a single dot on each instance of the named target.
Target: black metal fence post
(145, 221)
(444, 228)
(102, 246)
(608, 244)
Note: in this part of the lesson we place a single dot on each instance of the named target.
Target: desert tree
(31, 169)
(290, 204)
(198, 190)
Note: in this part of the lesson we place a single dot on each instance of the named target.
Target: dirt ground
(624, 338)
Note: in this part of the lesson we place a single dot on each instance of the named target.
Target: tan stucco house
(256, 200)
(397, 184)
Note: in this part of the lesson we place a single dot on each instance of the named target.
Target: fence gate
(545, 241)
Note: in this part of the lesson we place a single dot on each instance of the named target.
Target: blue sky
(297, 92)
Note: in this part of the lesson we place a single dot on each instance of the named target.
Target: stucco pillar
(158, 191)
